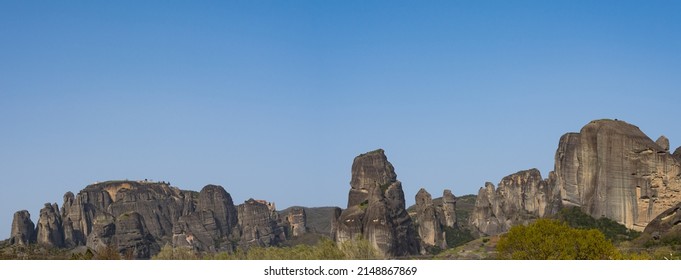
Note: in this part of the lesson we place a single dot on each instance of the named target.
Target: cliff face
(433, 219)
(139, 217)
(519, 198)
(23, 229)
(260, 224)
(376, 209)
(611, 169)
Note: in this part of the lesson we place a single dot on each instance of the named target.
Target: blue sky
(273, 99)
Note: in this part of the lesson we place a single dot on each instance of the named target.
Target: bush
(179, 253)
(325, 249)
(554, 240)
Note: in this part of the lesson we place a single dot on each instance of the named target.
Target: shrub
(554, 240)
(179, 253)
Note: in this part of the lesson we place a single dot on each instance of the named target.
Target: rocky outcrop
(297, 221)
(519, 198)
(49, 230)
(260, 224)
(139, 217)
(663, 142)
(677, 154)
(666, 226)
(448, 209)
(428, 218)
(612, 169)
(318, 220)
(376, 210)
(133, 238)
(23, 229)
(609, 169)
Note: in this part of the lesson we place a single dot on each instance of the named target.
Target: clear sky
(274, 99)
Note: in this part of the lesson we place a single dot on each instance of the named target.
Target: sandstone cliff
(431, 221)
(376, 209)
(519, 198)
(666, 226)
(611, 169)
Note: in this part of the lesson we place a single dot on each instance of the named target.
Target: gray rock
(664, 228)
(449, 209)
(138, 217)
(519, 198)
(297, 221)
(611, 169)
(376, 209)
(103, 230)
(259, 223)
(49, 230)
(430, 228)
(23, 229)
(663, 142)
(132, 237)
(677, 154)
(216, 199)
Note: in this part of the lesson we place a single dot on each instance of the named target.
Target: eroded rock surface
(667, 223)
(297, 221)
(23, 229)
(260, 224)
(376, 209)
(609, 169)
(138, 218)
(663, 142)
(448, 209)
(519, 198)
(612, 169)
(430, 228)
(49, 230)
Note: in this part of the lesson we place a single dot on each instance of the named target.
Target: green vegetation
(326, 249)
(464, 207)
(457, 236)
(554, 240)
(364, 205)
(180, 253)
(613, 231)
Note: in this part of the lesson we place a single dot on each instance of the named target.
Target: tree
(554, 240)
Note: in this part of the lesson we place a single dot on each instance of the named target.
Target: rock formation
(611, 169)
(49, 230)
(297, 221)
(677, 154)
(139, 217)
(133, 238)
(519, 198)
(317, 220)
(666, 225)
(663, 142)
(259, 223)
(23, 229)
(448, 209)
(376, 209)
(429, 226)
